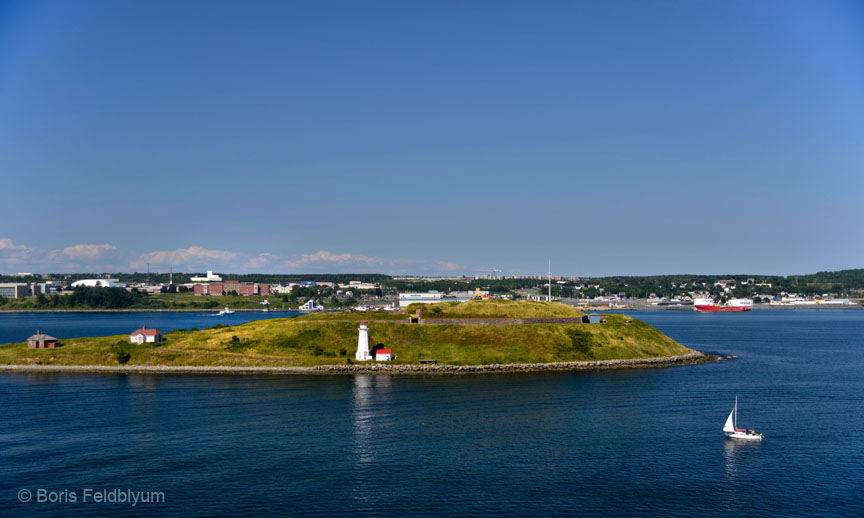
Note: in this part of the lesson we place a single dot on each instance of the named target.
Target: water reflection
(734, 452)
(371, 399)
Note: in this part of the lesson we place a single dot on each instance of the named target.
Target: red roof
(383, 351)
(146, 332)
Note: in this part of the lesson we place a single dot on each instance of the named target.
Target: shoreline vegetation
(491, 335)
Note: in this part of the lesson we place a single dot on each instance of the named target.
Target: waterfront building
(14, 290)
(42, 341)
(383, 355)
(311, 305)
(144, 335)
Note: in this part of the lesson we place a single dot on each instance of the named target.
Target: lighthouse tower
(363, 343)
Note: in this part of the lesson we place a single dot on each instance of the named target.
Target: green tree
(123, 356)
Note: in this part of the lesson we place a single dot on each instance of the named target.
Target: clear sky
(612, 137)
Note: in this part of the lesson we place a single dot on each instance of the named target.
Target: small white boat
(733, 432)
(225, 311)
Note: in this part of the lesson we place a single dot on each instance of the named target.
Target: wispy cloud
(110, 258)
(7, 244)
(84, 253)
(263, 260)
(325, 258)
(193, 258)
(14, 256)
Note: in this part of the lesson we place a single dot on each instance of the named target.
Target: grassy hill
(496, 309)
(319, 339)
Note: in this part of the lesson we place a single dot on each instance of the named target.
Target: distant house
(383, 355)
(42, 341)
(144, 335)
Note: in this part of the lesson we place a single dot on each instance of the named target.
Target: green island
(473, 333)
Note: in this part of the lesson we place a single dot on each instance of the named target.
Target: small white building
(357, 285)
(311, 305)
(429, 297)
(98, 283)
(210, 277)
(383, 355)
(283, 289)
(144, 335)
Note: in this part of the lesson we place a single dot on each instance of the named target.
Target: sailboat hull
(744, 436)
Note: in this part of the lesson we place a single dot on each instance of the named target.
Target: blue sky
(611, 137)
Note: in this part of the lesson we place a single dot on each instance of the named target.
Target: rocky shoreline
(692, 358)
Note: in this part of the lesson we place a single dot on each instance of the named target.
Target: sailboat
(733, 432)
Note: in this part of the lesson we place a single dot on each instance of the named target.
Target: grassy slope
(496, 309)
(353, 316)
(318, 339)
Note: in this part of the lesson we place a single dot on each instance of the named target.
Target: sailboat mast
(735, 423)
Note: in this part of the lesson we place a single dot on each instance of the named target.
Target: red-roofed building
(383, 355)
(144, 335)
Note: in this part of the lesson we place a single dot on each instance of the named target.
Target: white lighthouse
(363, 343)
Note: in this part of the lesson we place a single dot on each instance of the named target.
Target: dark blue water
(614, 443)
(16, 327)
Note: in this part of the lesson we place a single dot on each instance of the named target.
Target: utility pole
(550, 280)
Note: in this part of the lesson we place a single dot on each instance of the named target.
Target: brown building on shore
(42, 341)
(223, 288)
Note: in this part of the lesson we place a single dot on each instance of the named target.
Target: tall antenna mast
(550, 280)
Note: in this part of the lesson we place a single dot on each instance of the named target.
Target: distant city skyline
(614, 138)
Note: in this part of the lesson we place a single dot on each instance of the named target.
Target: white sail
(729, 427)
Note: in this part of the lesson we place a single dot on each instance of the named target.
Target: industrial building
(223, 288)
(14, 290)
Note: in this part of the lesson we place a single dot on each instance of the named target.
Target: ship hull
(711, 309)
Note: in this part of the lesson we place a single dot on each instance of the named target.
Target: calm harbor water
(613, 443)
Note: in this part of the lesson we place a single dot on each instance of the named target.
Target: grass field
(318, 339)
(496, 309)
